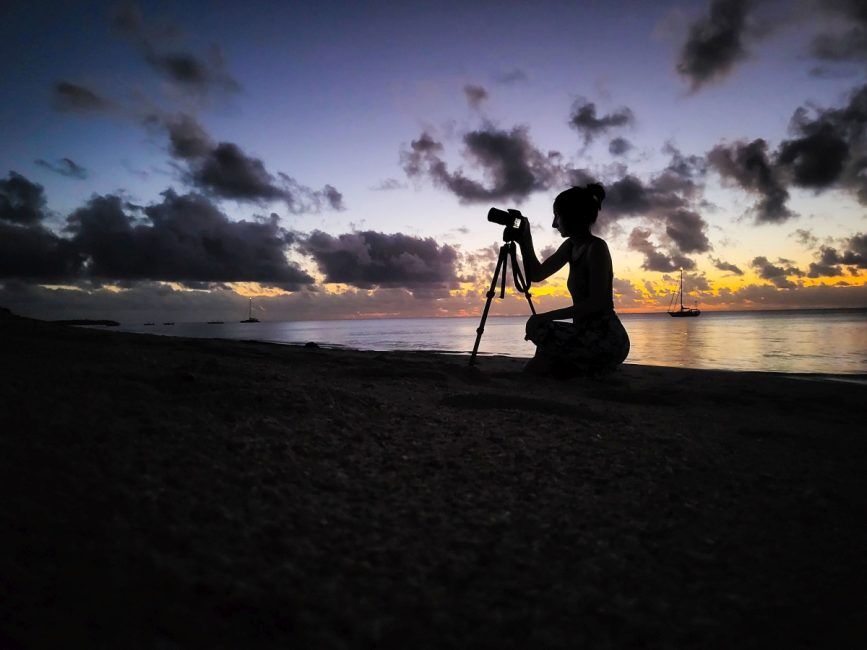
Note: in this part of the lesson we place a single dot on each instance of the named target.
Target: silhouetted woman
(594, 341)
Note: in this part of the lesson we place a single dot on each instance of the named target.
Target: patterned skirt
(597, 343)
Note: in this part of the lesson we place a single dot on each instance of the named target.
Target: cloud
(856, 251)
(630, 196)
(388, 185)
(667, 203)
(805, 237)
(73, 98)
(626, 294)
(818, 157)
(778, 275)
(368, 259)
(766, 296)
(184, 238)
(749, 166)
(827, 265)
(21, 201)
(512, 166)
(685, 167)
(584, 120)
(511, 77)
(476, 95)
(654, 260)
(64, 167)
(224, 170)
(687, 230)
(827, 150)
(696, 282)
(849, 45)
(662, 195)
(28, 250)
(228, 172)
(715, 43)
(192, 73)
(187, 139)
(619, 147)
(830, 260)
(726, 266)
(33, 252)
(830, 147)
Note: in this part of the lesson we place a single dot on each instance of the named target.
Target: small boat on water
(169, 323)
(250, 318)
(148, 324)
(215, 322)
(683, 312)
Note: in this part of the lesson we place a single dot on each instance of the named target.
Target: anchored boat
(683, 312)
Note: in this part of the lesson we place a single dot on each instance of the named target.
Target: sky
(171, 160)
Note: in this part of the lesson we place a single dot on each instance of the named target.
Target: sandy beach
(171, 493)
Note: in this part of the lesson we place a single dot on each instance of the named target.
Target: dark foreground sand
(173, 493)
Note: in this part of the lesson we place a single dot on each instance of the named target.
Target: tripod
(507, 252)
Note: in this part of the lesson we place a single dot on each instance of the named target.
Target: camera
(513, 220)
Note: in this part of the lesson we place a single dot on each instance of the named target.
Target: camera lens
(500, 216)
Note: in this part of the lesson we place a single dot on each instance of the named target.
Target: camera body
(513, 220)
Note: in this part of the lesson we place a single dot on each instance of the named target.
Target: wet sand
(170, 493)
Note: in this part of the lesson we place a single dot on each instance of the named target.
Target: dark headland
(174, 493)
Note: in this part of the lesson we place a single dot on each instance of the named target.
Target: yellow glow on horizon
(256, 290)
(61, 287)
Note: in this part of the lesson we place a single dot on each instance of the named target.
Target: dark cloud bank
(369, 259)
(185, 238)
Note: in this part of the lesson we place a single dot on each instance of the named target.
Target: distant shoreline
(705, 311)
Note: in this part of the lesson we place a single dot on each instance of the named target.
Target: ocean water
(832, 341)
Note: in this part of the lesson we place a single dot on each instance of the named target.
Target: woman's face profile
(558, 224)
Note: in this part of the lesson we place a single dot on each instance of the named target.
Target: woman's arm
(537, 271)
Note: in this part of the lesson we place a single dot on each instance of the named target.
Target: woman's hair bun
(597, 192)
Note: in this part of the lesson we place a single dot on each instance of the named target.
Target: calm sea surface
(824, 341)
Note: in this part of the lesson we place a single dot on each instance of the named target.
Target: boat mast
(681, 289)
(250, 314)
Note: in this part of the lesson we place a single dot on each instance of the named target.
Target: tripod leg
(520, 282)
(501, 261)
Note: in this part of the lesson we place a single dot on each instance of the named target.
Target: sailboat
(250, 318)
(683, 312)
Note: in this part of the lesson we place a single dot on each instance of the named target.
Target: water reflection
(830, 341)
(822, 341)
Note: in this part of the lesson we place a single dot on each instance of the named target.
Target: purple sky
(728, 134)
